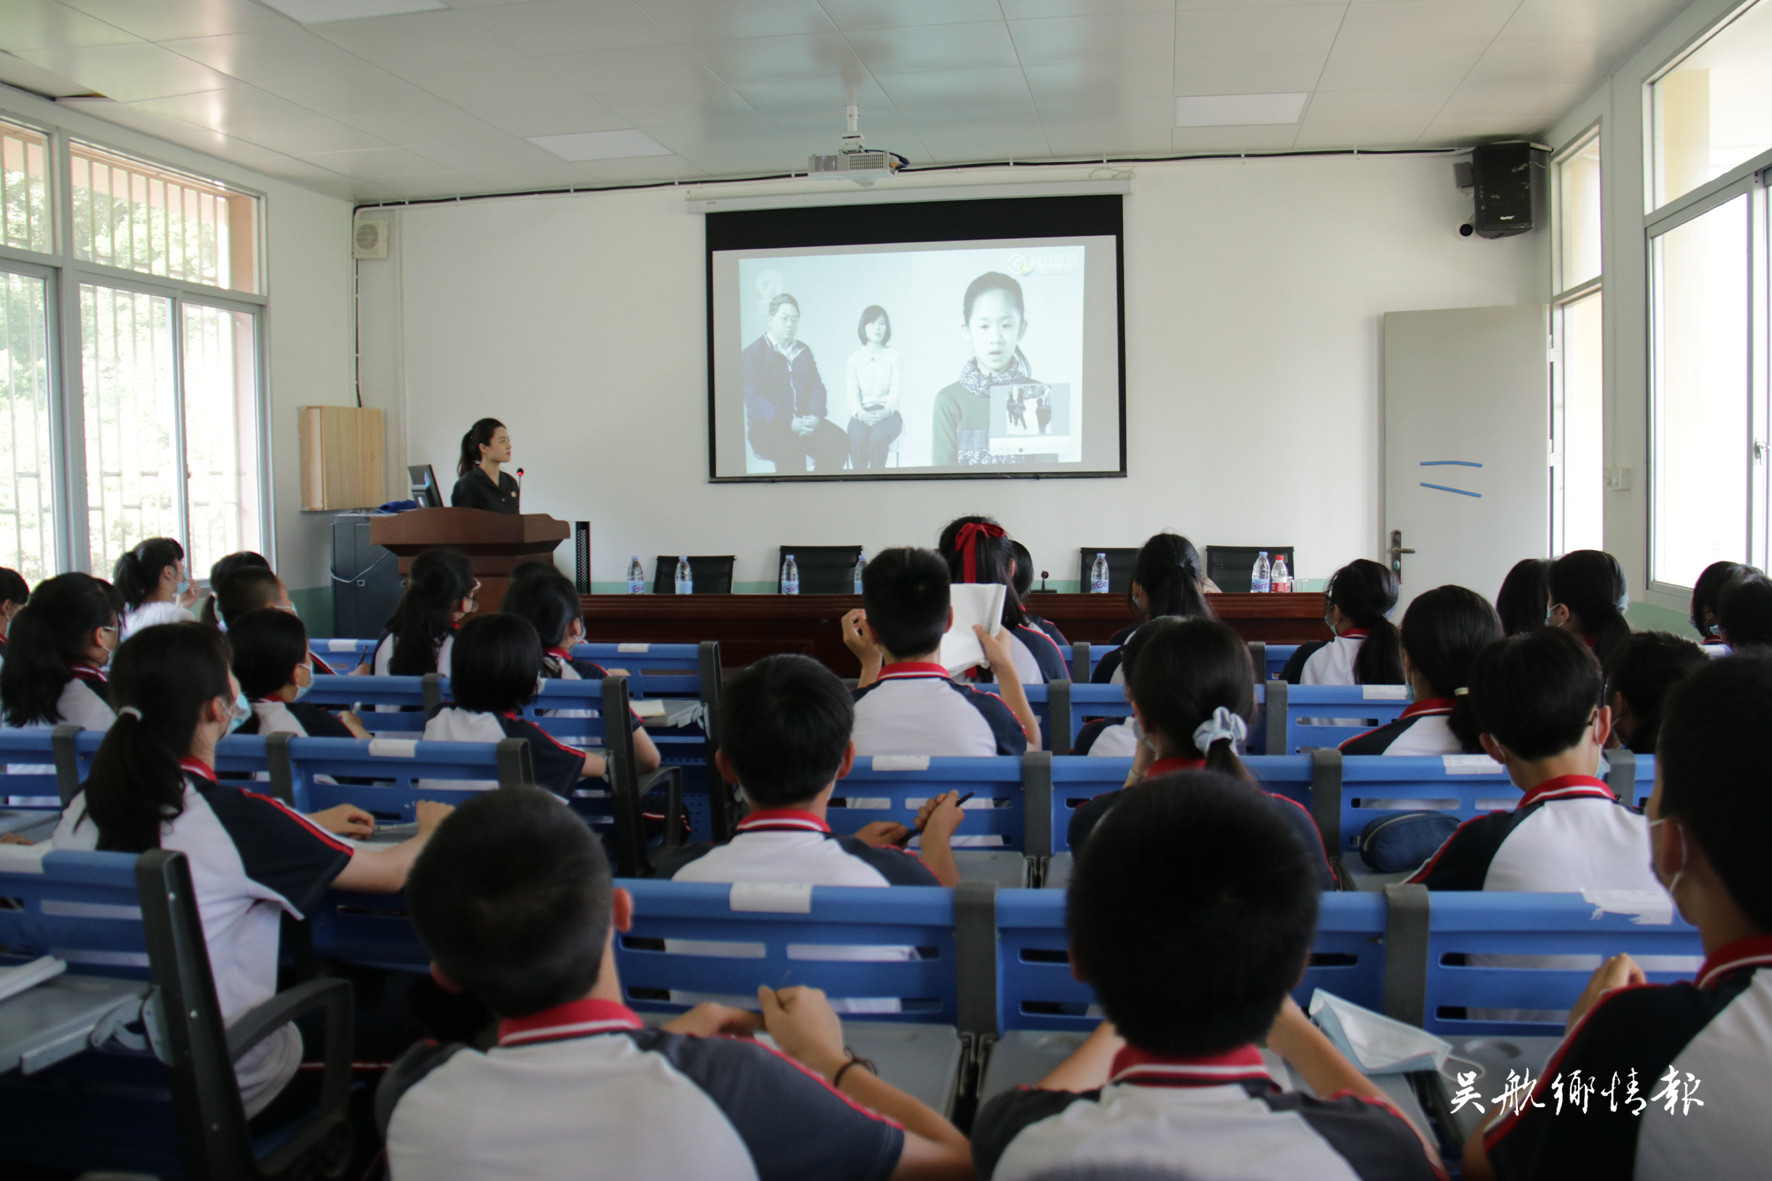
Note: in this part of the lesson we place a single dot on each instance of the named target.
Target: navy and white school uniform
(384, 654)
(1051, 630)
(1326, 662)
(1424, 728)
(916, 709)
(1222, 1117)
(273, 715)
(558, 665)
(84, 701)
(1035, 654)
(151, 614)
(252, 861)
(586, 1087)
(1107, 670)
(1114, 740)
(1715, 1034)
(785, 846)
(558, 767)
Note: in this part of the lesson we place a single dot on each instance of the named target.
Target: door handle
(1397, 552)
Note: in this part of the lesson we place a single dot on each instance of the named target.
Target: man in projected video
(784, 398)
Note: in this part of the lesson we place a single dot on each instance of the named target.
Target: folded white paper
(974, 603)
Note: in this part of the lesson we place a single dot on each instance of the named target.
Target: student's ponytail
(977, 549)
(1194, 686)
(1168, 569)
(479, 435)
(1591, 584)
(439, 579)
(160, 680)
(48, 637)
(137, 573)
(1442, 632)
(1366, 591)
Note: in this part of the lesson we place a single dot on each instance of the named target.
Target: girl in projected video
(993, 318)
(872, 378)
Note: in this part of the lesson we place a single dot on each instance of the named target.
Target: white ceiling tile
(162, 20)
(714, 20)
(365, 163)
(16, 71)
(312, 135)
(950, 90)
(1535, 107)
(1121, 37)
(601, 145)
(1101, 81)
(1365, 106)
(572, 26)
(881, 14)
(313, 12)
(1545, 21)
(779, 59)
(1567, 61)
(483, 84)
(650, 169)
(1249, 31)
(978, 45)
(406, 128)
(723, 151)
(552, 117)
(357, 89)
(417, 40)
(419, 186)
(1397, 69)
(265, 55)
(237, 110)
(490, 152)
(129, 73)
(1232, 139)
(1238, 110)
(1262, 73)
(1102, 105)
(1465, 130)
(1140, 127)
(1365, 133)
(1035, 9)
(37, 24)
(1009, 141)
(633, 71)
(1423, 24)
(667, 108)
(819, 100)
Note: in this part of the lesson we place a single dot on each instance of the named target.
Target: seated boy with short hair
(1709, 1041)
(1539, 703)
(906, 703)
(785, 723)
(1191, 914)
(514, 901)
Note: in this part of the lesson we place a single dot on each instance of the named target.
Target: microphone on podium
(519, 479)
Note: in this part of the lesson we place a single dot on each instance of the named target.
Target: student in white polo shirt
(1538, 698)
(1443, 631)
(906, 703)
(515, 903)
(1700, 1054)
(1191, 914)
(1365, 648)
(252, 860)
(57, 649)
(440, 592)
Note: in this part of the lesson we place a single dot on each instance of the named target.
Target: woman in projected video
(993, 318)
(871, 379)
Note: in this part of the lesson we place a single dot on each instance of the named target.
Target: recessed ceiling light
(313, 12)
(1238, 110)
(601, 145)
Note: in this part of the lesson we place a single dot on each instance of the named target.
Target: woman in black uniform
(482, 485)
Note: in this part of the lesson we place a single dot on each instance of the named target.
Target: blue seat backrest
(1374, 786)
(893, 787)
(1276, 658)
(1035, 989)
(81, 907)
(653, 670)
(392, 766)
(1328, 715)
(1078, 779)
(20, 751)
(1524, 927)
(784, 930)
(343, 654)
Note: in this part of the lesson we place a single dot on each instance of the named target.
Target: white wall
(1254, 291)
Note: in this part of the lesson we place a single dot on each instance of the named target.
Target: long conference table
(750, 627)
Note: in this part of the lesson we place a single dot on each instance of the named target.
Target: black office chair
(1121, 561)
(824, 569)
(711, 574)
(1231, 566)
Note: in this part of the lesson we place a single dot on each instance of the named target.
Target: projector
(864, 166)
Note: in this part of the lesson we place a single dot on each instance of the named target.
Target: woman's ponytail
(1366, 592)
(135, 786)
(137, 573)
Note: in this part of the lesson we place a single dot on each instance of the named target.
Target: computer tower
(365, 580)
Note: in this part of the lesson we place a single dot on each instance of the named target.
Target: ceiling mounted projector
(855, 162)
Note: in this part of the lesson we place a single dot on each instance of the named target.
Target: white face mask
(1673, 884)
(1373, 1042)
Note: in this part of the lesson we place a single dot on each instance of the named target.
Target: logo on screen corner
(1042, 264)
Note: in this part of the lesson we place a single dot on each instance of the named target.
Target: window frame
(1562, 296)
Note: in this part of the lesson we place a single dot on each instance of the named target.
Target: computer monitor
(424, 485)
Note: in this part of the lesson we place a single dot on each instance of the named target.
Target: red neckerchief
(1144, 1069)
(574, 1019)
(1567, 787)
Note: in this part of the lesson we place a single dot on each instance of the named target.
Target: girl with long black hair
(440, 592)
(977, 549)
(153, 786)
(58, 647)
(1168, 579)
(1588, 597)
(1365, 649)
(1442, 632)
(155, 585)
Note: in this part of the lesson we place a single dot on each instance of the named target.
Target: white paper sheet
(973, 603)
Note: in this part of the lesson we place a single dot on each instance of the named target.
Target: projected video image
(903, 358)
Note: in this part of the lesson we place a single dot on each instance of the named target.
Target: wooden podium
(494, 543)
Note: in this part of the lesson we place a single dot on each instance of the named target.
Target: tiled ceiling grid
(446, 102)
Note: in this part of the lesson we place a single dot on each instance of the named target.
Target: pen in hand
(959, 803)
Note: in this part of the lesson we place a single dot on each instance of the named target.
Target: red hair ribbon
(966, 541)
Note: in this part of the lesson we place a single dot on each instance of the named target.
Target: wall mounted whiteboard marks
(925, 340)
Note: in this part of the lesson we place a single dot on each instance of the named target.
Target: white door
(1466, 446)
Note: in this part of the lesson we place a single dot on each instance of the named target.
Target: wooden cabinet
(341, 458)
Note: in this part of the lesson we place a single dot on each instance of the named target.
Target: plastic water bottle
(1282, 577)
(685, 577)
(1098, 575)
(636, 576)
(861, 561)
(1260, 579)
(790, 576)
